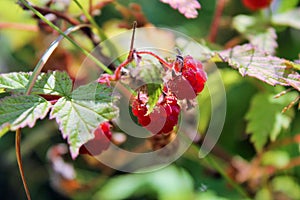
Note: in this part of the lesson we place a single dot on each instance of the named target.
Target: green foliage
(265, 120)
(87, 106)
(21, 111)
(254, 117)
(51, 83)
(80, 116)
(168, 183)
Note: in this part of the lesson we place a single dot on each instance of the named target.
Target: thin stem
(85, 52)
(161, 60)
(20, 163)
(38, 68)
(132, 37)
(100, 31)
(92, 21)
(216, 21)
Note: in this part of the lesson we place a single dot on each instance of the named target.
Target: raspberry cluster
(167, 109)
(189, 73)
(100, 142)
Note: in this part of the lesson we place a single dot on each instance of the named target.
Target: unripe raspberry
(100, 142)
(256, 4)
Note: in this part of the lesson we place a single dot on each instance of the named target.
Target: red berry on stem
(256, 4)
(100, 142)
(166, 111)
(191, 81)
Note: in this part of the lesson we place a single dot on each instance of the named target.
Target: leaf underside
(256, 63)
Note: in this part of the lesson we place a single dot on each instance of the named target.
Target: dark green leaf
(20, 111)
(94, 92)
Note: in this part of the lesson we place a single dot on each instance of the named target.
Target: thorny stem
(216, 20)
(20, 163)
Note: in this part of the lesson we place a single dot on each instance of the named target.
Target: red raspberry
(168, 110)
(100, 142)
(191, 81)
(256, 4)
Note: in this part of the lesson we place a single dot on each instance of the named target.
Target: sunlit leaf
(80, 116)
(21, 111)
(253, 62)
(53, 83)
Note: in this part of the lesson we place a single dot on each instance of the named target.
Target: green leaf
(52, 83)
(79, 117)
(93, 91)
(265, 118)
(287, 5)
(290, 18)
(14, 81)
(20, 111)
(254, 62)
(154, 92)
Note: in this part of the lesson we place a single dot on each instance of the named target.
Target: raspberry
(100, 142)
(167, 109)
(190, 82)
(256, 4)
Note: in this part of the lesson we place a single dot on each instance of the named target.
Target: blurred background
(233, 167)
